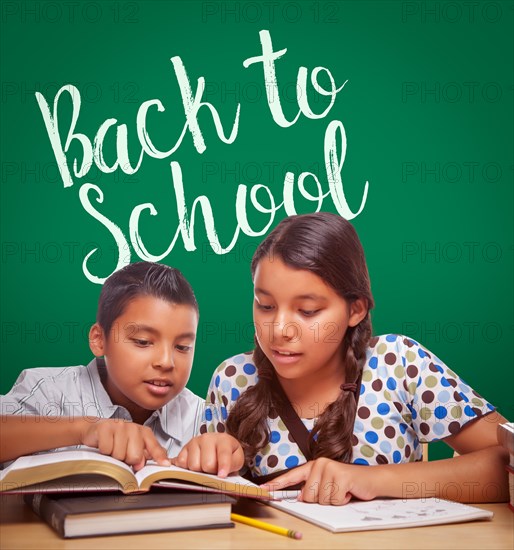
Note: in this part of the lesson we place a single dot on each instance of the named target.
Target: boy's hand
(329, 482)
(125, 441)
(213, 453)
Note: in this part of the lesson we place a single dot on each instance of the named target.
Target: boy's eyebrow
(147, 328)
(299, 297)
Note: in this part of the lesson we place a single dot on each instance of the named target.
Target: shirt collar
(167, 424)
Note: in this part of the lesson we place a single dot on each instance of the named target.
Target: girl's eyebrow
(299, 297)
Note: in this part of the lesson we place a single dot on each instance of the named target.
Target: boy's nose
(164, 358)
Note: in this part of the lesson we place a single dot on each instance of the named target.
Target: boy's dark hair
(328, 246)
(141, 279)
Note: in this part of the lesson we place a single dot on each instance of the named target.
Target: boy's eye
(141, 342)
(184, 348)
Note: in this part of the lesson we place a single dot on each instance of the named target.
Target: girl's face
(300, 322)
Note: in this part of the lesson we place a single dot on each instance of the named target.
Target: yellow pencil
(266, 526)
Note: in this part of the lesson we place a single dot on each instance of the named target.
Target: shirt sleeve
(216, 403)
(440, 403)
(32, 395)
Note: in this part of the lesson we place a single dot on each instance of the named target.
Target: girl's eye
(141, 342)
(263, 307)
(184, 349)
(309, 312)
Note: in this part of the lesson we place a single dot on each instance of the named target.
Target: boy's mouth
(158, 387)
(158, 383)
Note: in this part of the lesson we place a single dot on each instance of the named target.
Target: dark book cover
(98, 514)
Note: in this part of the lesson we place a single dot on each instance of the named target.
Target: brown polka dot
(457, 396)
(407, 451)
(273, 414)
(454, 427)
(390, 358)
(230, 370)
(220, 427)
(452, 382)
(424, 428)
(427, 396)
(363, 412)
(390, 432)
(272, 461)
(373, 341)
(225, 400)
(203, 429)
(354, 440)
(432, 367)
(377, 385)
(412, 371)
(291, 438)
(477, 411)
(381, 459)
(398, 406)
(213, 397)
(408, 343)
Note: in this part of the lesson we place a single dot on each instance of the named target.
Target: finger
(181, 459)
(223, 459)
(155, 449)
(194, 457)
(289, 478)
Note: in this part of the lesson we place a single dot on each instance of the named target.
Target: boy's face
(148, 354)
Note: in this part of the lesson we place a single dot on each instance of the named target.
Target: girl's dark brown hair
(328, 246)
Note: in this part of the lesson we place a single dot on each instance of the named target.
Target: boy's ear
(96, 340)
(358, 310)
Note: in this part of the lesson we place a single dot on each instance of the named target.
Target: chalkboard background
(427, 110)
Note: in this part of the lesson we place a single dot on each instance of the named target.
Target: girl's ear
(97, 340)
(358, 310)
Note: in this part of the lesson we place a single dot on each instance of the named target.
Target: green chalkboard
(425, 104)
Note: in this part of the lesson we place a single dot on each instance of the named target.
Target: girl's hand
(329, 482)
(127, 441)
(213, 453)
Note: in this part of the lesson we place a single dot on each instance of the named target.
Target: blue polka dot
(371, 437)
(258, 460)
(385, 446)
(444, 382)
(373, 362)
(274, 437)
(217, 381)
(264, 471)
(439, 368)
(370, 399)
(443, 396)
(440, 412)
(238, 359)
(249, 368)
(412, 410)
(391, 383)
(383, 408)
(225, 386)
(397, 457)
(224, 413)
(438, 428)
(291, 461)
(358, 426)
(362, 389)
(421, 353)
(464, 397)
(361, 461)
(469, 411)
(234, 394)
(383, 371)
(416, 444)
(490, 407)
(208, 414)
(284, 449)
(403, 427)
(391, 338)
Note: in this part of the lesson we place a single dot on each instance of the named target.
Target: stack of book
(506, 439)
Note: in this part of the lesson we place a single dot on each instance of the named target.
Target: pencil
(266, 526)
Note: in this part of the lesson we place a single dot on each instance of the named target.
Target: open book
(89, 470)
(381, 513)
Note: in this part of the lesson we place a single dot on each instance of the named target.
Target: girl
(321, 399)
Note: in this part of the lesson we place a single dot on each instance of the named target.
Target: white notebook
(382, 513)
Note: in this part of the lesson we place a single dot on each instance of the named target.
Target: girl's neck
(310, 397)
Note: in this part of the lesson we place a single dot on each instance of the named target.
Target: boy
(131, 404)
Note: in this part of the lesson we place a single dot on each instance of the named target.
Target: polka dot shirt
(407, 396)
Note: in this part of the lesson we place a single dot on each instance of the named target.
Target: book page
(382, 513)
